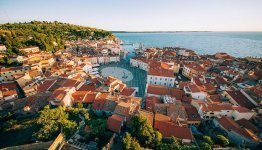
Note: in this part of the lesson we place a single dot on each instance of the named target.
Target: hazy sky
(141, 15)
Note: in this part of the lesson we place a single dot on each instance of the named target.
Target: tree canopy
(208, 140)
(130, 143)
(49, 36)
(56, 120)
(143, 131)
(205, 146)
(222, 140)
(169, 143)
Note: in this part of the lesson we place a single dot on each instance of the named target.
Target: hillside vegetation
(48, 36)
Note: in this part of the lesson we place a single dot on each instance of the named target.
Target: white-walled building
(140, 62)
(190, 70)
(30, 49)
(193, 90)
(159, 73)
(62, 96)
(212, 110)
(8, 74)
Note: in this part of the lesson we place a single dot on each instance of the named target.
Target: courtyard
(132, 77)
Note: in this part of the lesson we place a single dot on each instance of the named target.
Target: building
(223, 56)
(8, 92)
(194, 92)
(192, 69)
(161, 74)
(167, 128)
(163, 92)
(9, 74)
(242, 137)
(203, 84)
(212, 110)
(29, 49)
(240, 99)
(193, 118)
(62, 96)
(115, 123)
(140, 62)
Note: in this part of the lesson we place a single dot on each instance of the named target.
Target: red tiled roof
(216, 107)
(183, 84)
(89, 87)
(58, 94)
(221, 80)
(158, 90)
(9, 93)
(241, 109)
(150, 103)
(230, 124)
(177, 93)
(90, 97)
(192, 113)
(127, 91)
(193, 88)
(209, 87)
(247, 124)
(70, 83)
(46, 85)
(241, 99)
(115, 122)
(167, 129)
(79, 96)
(100, 101)
(195, 66)
(123, 108)
(7, 86)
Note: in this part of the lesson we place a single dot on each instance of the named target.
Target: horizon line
(132, 31)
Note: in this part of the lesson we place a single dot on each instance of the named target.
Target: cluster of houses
(40, 69)
(183, 88)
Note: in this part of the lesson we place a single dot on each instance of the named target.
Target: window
(164, 83)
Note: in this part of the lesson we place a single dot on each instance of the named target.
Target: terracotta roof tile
(241, 99)
(115, 122)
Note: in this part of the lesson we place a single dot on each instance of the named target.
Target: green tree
(10, 62)
(98, 127)
(45, 34)
(130, 143)
(143, 131)
(205, 146)
(2, 61)
(222, 140)
(53, 121)
(208, 140)
(169, 143)
(69, 127)
(187, 147)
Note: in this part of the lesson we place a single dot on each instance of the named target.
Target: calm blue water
(238, 44)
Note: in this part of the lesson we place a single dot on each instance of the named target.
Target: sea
(237, 44)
